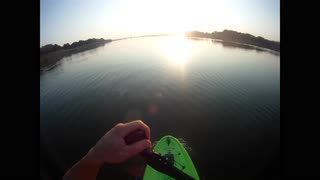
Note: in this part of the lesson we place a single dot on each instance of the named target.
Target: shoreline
(234, 44)
(49, 59)
(238, 37)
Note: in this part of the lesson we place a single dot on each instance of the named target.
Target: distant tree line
(54, 47)
(50, 54)
(234, 36)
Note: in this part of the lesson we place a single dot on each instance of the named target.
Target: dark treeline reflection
(234, 36)
(233, 45)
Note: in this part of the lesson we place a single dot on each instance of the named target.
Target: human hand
(112, 148)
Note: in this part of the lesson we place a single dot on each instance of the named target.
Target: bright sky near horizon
(67, 21)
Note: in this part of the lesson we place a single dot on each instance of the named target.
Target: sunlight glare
(177, 50)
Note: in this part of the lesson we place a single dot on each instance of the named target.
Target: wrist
(91, 159)
(86, 168)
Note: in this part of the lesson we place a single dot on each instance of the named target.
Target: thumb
(137, 147)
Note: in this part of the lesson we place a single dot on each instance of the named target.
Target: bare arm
(111, 148)
(86, 169)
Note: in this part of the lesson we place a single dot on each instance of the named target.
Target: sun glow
(176, 16)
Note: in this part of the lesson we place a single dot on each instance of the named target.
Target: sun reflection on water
(176, 49)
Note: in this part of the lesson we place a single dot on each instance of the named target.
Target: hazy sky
(66, 21)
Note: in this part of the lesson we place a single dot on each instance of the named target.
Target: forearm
(85, 169)
(111, 149)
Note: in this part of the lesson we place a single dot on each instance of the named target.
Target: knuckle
(140, 121)
(118, 126)
(148, 127)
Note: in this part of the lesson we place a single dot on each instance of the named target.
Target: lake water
(223, 100)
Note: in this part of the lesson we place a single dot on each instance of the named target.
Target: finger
(137, 147)
(132, 126)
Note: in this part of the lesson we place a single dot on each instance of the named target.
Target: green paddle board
(171, 148)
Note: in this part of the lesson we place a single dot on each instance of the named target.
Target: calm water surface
(224, 101)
